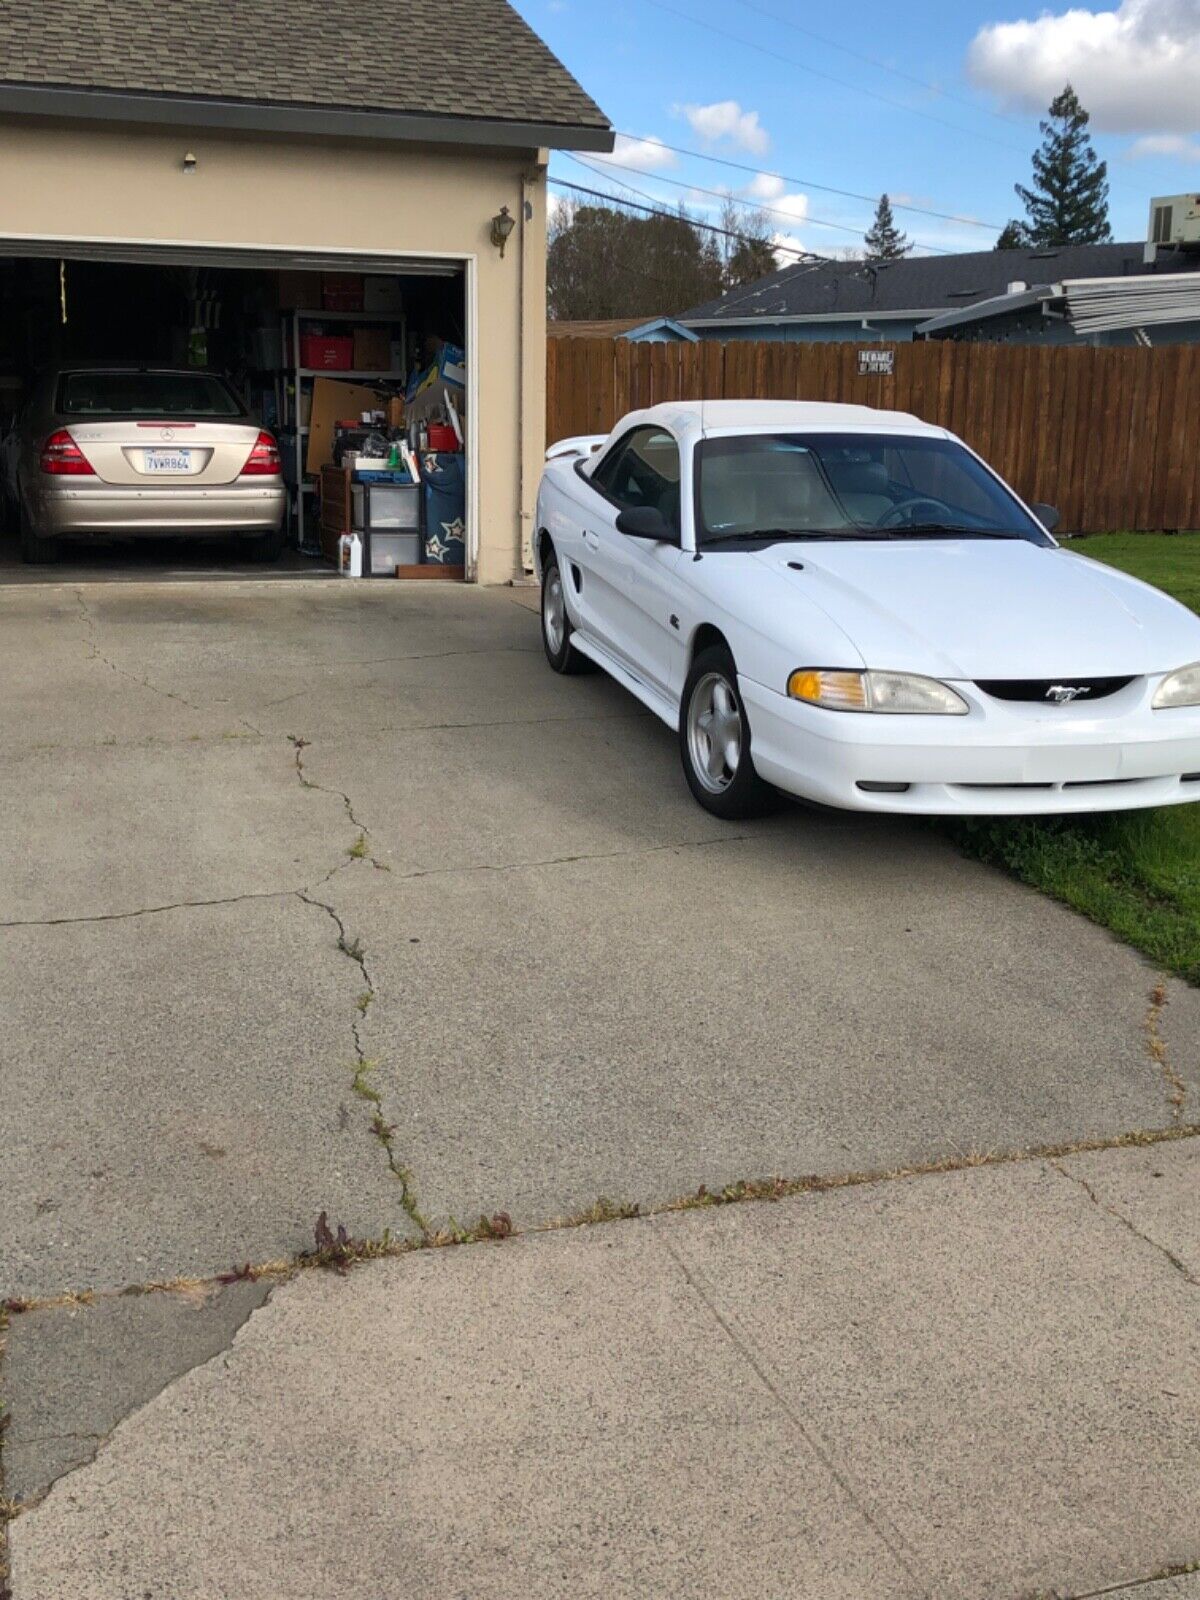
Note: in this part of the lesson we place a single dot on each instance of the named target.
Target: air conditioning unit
(1174, 223)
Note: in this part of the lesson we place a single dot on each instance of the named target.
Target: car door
(642, 469)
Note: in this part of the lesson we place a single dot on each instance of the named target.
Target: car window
(951, 476)
(850, 485)
(642, 470)
(142, 394)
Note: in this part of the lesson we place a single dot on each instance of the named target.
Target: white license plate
(166, 461)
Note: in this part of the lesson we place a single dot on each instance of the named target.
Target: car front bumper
(125, 512)
(1001, 759)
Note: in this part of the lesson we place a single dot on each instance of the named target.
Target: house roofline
(45, 100)
(766, 320)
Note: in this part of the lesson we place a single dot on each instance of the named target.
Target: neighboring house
(900, 300)
(1146, 310)
(274, 140)
(660, 330)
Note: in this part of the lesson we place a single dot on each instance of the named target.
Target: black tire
(556, 624)
(36, 550)
(731, 792)
(265, 546)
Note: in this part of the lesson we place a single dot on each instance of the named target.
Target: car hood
(984, 608)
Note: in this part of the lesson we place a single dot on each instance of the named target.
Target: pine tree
(1068, 203)
(883, 238)
(1012, 237)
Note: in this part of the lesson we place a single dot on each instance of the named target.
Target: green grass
(1136, 873)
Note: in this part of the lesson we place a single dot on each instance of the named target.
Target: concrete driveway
(330, 897)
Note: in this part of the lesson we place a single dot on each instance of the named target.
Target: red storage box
(442, 437)
(342, 291)
(327, 352)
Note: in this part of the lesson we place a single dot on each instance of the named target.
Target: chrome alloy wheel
(714, 732)
(554, 611)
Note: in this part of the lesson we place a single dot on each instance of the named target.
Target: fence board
(1111, 436)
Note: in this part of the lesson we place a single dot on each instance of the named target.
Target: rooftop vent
(1017, 286)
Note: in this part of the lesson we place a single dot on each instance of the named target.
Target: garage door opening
(211, 416)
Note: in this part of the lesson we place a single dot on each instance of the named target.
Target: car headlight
(1180, 688)
(900, 693)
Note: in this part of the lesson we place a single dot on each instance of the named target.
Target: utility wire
(807, 257)
(815, 72)
(721, 194)
(874, 61)
(807, 183)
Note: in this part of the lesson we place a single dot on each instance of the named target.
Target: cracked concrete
(564, 980)
(94, 1364)
(916, 1390)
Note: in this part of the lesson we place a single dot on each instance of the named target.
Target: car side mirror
(1048, 516)
(646, 522)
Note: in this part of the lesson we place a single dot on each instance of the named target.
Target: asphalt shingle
(458, 59)
(925, 283)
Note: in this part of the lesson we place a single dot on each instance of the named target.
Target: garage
(297, 305)
(203, 372)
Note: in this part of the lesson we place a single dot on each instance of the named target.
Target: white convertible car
(849, 605)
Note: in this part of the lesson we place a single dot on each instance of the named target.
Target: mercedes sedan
(850, 606)
(127, 452)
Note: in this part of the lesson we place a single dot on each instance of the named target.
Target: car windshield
(145, 394)
(850, 486)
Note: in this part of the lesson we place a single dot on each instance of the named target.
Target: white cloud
(792, 205)
(766, 187)
(647, 155)
(1172, 145)
(770, 191)
(725, 120)
(1135, 68)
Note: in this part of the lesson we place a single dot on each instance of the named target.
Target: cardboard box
(372, 350)
(332, 400)
(383, 295)
(395, 413)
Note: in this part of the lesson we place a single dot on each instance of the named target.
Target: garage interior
(360, 375)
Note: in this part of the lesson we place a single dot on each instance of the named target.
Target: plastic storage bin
(327, 352)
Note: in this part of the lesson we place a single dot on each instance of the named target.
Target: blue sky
(729, 78)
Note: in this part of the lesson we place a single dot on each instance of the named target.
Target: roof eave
(997, 306)
(783, 318)
(41, 100)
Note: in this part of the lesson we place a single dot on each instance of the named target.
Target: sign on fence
(876, 363)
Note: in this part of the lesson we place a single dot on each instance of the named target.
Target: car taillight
(62, 458)
(264, 459)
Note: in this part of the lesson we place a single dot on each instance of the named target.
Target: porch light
(503, 224)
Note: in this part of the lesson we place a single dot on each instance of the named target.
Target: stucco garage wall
(122, 182)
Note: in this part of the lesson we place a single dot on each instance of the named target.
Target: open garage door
(347, 376)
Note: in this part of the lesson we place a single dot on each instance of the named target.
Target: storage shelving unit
(293, 322)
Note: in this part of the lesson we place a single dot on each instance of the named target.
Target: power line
(807, 183)
(874, 61)
(842, 83)
(719, 194)
(804, 256)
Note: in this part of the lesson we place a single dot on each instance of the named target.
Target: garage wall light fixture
(189, 162)
(503, 224)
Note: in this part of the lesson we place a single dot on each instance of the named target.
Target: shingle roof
(455, 59)
(924, 284)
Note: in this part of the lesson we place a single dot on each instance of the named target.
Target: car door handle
(591, 539)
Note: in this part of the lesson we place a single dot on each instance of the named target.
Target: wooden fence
(1110, 437)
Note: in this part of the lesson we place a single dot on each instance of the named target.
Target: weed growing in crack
(384, 1132)
(358, 850)
(352, 948)
(364, 1002)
